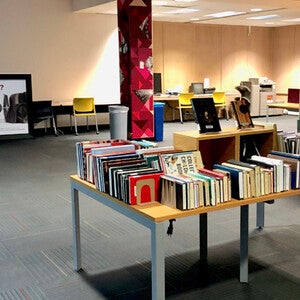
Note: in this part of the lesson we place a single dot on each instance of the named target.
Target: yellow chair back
(219, 97)
(84, 107)
(184, 99)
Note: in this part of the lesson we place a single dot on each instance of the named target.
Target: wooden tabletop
(158, 212)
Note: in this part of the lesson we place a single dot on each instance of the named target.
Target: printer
(263, 91)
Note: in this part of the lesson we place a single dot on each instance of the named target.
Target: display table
(153, 217)
(283, 105)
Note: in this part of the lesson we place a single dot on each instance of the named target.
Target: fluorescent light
(266, 17)
(181, 11)
(225, 14)
(187, 1)
(194, 19)
(255, 9)
(292, 20)
(159, 3)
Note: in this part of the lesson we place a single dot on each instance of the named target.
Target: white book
(278, 185)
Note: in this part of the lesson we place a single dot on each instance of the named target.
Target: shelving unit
(221, 146)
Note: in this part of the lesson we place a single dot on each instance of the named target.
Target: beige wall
(71, 54)
(286, 56)
(68, 54)
(186, 53)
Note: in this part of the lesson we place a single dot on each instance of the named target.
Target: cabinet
(227, 144)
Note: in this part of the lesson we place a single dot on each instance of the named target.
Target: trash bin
(159, 121)
(118, 122)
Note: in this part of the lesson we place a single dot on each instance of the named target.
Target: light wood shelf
(221, 146)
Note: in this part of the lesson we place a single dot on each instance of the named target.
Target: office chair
(184, 101)
(42, 111)
(84, 107)
(220, 101)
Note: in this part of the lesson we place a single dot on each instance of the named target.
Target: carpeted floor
(36, 259)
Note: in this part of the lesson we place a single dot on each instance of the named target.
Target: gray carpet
(36, 259)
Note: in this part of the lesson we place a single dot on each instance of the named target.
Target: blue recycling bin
(159, 121)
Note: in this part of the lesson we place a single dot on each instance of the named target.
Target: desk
(153, 217)
(283, 105)
(172, 101)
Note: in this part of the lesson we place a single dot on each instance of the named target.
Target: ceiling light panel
(224, 14)
(181, 11)
(266, 17)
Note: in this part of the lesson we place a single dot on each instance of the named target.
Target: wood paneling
(208, 54)
(178, 44)
(234, 56)
(186, 53)
(283, 57)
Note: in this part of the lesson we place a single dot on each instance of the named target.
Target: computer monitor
(156, 83)
(196, 88)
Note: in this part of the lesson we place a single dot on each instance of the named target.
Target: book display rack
(214, 148)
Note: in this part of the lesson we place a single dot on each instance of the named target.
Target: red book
(144, 188)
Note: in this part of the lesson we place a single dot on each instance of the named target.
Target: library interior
(149, 149)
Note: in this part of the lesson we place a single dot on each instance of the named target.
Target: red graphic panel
(135, 51)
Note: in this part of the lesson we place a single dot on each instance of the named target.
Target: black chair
(42, 111)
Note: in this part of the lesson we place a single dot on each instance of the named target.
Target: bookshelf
(221, 146)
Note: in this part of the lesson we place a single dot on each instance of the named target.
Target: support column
(135, 51)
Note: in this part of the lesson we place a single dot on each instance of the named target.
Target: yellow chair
(84, 107)
(220, 101)
(184, 101)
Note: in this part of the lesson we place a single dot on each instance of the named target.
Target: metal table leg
(260, 214)
(76, 229)
(244, 234)
(158, 261)
(203, 238)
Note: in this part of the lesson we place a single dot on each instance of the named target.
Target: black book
(205, 115)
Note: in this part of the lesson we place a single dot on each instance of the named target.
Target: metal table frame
(157, 235)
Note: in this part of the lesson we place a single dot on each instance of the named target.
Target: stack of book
(288, 142)
(122, 168)
(261, 175)
(179, 179)
(186, 184)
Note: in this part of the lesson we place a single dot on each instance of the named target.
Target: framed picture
(15, 103)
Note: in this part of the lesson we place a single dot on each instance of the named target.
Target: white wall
(68, 54)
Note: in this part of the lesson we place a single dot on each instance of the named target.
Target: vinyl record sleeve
(206, 115)
(242, 113)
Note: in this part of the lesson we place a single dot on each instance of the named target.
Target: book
(237, 188)
(227, 184)
(144, 188)
(181, 162)
(278, 163)
(206, 115)
(174, 192)
(242, 113)
(294, 167)
(254, 176)
(213, 189)
(224, 184)
(99, 166)
(268, 168)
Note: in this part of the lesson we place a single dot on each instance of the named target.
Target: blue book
(236, 180)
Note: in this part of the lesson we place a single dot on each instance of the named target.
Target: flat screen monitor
(196, 88)
(156, 83)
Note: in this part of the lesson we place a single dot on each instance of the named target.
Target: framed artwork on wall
(15, 103)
